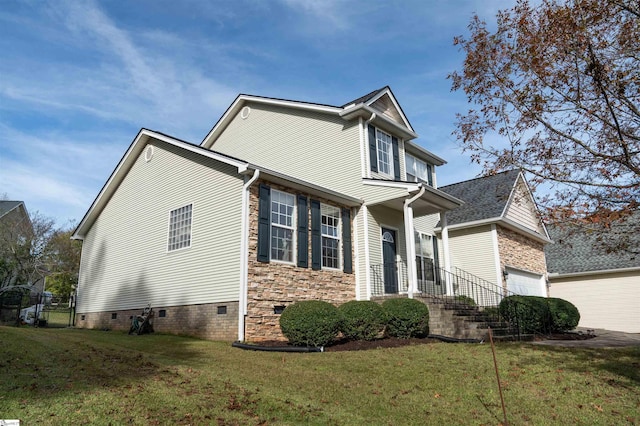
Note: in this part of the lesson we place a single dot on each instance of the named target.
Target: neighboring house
(603, 285)
(282, 201)
(15, 230)
(497, 234)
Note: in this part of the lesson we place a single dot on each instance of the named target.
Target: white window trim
(389, 153)
(294, 242)
(413, 172)
(338, 237)
(167, 248)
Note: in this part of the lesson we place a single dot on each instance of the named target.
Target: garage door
(525, 283)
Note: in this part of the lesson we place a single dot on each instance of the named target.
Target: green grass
(68, 376)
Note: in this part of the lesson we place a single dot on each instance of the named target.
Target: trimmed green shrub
(310, 323)
(564, 314)
(530, 313)
(406, 318)
(362, 320)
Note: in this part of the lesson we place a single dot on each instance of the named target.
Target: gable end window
(179, 228)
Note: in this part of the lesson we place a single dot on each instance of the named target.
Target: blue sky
(78, 79)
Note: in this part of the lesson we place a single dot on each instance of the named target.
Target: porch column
(445, 253)
(410, 241)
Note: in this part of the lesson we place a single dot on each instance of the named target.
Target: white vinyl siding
(296, 143)
(124, 255)
(474, 251)
(522, 209)
(608, 301)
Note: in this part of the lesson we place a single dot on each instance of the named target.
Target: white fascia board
(409, 186)
(426, 154)
(241, 100)
(127, 161)
(387, 91)
(362, 110)
(507, 223)
(558, 275)
(313, 189)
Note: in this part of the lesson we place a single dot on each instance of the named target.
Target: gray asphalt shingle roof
(484, 197)
(579, 250)
(6, 206)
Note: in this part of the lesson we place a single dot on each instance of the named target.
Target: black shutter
(264, 223)
(430, 174)
(303, 232)
(316, 236)
(346, 241)
(373, 149)
(396, 158)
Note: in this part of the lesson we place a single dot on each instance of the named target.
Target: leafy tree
(23, 244)
(559, 82)
(63, 262)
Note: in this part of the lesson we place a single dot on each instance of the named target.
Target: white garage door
(525, 283)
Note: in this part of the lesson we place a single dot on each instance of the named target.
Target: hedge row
(536, 314)
(317, 323)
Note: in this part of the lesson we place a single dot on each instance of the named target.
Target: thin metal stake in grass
(495, 364)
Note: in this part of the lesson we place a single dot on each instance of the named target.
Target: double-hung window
(282, 226)
(330, 236)
(179, 228)
(424, 257)
(385, 153)
(418, 170)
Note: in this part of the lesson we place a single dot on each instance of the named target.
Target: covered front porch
(402, 254)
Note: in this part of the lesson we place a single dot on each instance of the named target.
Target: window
(282, 226)
(180, 228)
(330, 236)
(418, 170)
(385, 155)
(424, 257)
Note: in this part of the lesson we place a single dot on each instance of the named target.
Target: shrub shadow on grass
(623, 361)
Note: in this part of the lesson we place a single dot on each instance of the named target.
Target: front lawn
(68, 376)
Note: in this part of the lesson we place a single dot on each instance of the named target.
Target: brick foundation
(201, 321)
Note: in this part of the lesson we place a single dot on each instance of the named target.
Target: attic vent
(245, 112)
(148, 153)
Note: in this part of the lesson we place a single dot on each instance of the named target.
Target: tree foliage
(560, 83)
(63, 262)
(23, 245)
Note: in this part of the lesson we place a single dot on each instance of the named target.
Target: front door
(389, 260)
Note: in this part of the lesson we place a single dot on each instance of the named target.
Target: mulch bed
(392, 342)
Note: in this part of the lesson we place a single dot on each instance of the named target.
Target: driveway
(603, 339)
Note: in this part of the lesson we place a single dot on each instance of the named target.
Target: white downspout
(244, 255)
(366, 142)
(410, 242)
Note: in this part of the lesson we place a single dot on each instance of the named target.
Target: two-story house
(282, 201)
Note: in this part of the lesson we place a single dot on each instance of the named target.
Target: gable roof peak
(366, 98)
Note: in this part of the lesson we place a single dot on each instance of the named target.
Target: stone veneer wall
(280, 284)
(201, 321)
(521, 252)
